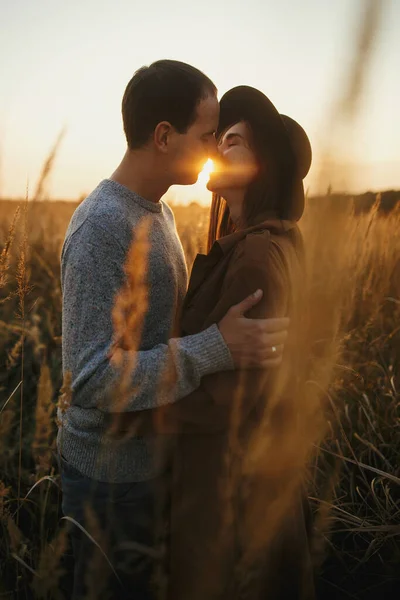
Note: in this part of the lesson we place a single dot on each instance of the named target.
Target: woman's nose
(221, 152)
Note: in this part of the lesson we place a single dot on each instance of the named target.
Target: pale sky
(66, 63)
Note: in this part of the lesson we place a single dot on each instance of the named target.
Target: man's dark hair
(167, 90)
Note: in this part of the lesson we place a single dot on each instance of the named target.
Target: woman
(237, 525)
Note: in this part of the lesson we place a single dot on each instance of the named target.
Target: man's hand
(253, 343)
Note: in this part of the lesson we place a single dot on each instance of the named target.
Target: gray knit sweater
(92, 261)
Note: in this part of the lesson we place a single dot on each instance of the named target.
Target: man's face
(189, 151)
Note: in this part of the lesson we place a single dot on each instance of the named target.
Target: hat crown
(300, 145)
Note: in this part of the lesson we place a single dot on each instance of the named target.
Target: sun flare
(205, 173)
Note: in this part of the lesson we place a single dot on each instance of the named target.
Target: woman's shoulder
(263, 252)
(257, 245)
(253, 248)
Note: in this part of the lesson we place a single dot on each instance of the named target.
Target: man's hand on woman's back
(253, 343)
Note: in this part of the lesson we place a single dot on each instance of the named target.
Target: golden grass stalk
(65, 398)
(41, 445)
(7, 413)
(94, 527)
(14, 534)
(5, 255)
(64, 402)
(128, 316)
(48, 167)
(22, 277)
(98, 573)
(370, 21)
(6, 424)
(50, 570)
(4, 493)
(16, 351)
(10, 397)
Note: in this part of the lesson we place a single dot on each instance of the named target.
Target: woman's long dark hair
(271, 192)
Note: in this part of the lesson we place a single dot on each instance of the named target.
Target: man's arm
(92, 271)
(209, 408)
(92, 274)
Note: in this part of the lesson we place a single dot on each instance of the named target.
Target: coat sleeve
(209, 408)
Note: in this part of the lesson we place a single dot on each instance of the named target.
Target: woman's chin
(213, 186)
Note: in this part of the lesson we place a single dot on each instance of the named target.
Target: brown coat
(207, 515)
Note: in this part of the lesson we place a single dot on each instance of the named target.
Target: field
(354, 293)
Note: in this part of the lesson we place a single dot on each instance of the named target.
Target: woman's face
(236, 165)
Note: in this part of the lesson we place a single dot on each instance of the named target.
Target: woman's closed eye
(234, 139)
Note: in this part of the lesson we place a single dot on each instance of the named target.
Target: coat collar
(274, 225)
(204, 263)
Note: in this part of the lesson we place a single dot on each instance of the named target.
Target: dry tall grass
(354, 267)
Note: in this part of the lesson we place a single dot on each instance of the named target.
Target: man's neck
(137, 172)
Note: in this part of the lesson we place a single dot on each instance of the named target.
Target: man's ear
(162, 135)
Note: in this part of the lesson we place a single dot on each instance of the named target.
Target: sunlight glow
(204, 175)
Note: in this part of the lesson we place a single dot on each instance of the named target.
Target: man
(170, 114)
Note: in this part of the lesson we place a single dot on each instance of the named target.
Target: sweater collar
(126, 194)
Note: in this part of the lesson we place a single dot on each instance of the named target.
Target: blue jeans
(127, 521)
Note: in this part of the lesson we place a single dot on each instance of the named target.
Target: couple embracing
(207, 380)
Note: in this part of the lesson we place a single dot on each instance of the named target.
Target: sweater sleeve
(92, 273)
(208, 409)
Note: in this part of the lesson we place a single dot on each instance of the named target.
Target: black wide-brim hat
(288, 139)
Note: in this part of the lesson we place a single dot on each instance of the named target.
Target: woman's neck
(235, 201)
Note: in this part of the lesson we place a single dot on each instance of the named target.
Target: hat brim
(244, 103)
